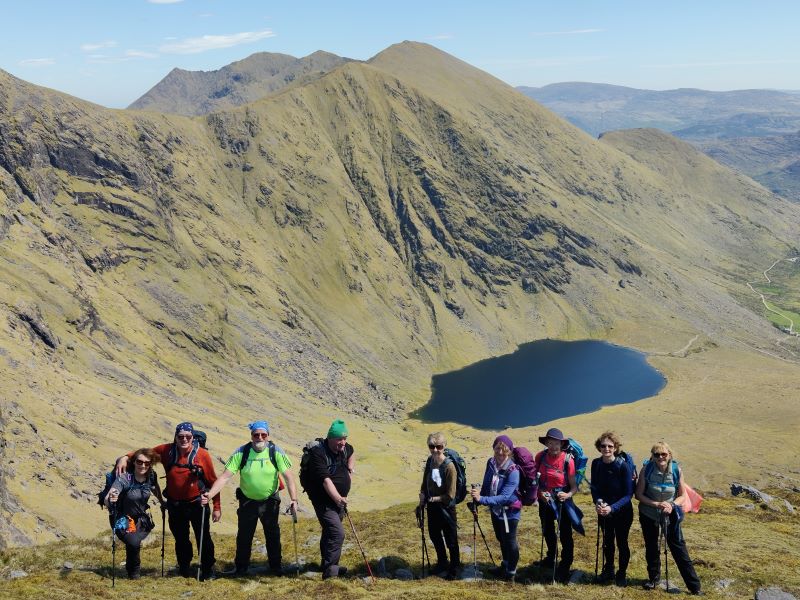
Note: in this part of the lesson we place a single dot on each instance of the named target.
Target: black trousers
(548, 518)
(651, 530)
(616, 528)
(250, 512)
(133, 546)
(508, 541)
(332, 538)
(443, 531)
(181, 515)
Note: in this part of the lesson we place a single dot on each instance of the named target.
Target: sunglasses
(437, 446)
(607, 446)
(184, 437)
(143, 463)
(661, 454)
(259, 436)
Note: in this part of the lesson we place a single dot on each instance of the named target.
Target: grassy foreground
(735, 551)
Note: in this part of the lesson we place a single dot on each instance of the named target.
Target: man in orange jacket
(190, 472)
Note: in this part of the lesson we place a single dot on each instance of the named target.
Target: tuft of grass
(733, 548)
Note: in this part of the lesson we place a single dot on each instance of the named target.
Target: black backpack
(305, 460)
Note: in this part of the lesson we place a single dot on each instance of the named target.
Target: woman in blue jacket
(498, 492)
(612, 490)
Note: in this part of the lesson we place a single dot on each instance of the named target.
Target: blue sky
(113, 51)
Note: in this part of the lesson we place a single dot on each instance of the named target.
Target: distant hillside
(201, 92)
(323, 251)
(597, 108)
(753, 131)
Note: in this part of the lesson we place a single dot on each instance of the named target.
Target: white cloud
(214, 42)
(139, 54)
(38, 62)
(98, 46)
(570, 32)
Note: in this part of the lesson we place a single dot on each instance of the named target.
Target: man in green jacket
(259, 464)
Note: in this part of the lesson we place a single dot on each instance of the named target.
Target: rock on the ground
(773, 593)
(403, 574)
(17, 574)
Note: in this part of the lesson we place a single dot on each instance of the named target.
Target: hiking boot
(208, 574)
(508, 576)
(135, 574)
(697, 593)
(651, 584)
(562, 574)
(496, 571)
(546, 563)
(620, 580)
(605, 576)
(185, 571)
(440, 569)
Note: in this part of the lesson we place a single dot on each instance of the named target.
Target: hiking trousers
(508, 542)
(677, 546)
(443, 531)
(616, 528)
(181, 515)
(133, 546)
(548, 518)
(250, 512)
(332, 538)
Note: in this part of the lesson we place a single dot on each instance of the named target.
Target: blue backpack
(575, 451)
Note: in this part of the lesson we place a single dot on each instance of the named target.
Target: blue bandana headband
(185, 426)
(259, 425)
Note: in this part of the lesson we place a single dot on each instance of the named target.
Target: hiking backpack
(575, 451)
(628, 458)
(528, 481)
(305, 460)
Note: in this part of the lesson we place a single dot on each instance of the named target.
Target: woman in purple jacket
(498, 492)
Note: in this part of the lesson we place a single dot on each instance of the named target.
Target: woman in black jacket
(612, 490)
(128, 500)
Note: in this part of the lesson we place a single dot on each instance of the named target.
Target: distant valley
(757, 132)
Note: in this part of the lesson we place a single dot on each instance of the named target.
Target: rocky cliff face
(323, 251)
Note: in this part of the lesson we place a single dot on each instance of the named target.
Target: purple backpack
(528, 484)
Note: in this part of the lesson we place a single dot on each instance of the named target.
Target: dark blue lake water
(540, 382)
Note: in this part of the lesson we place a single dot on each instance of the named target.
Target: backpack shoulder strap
(245, 455)
(272, 458)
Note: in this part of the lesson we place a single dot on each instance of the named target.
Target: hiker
(557, 485)
(132, 491)
(185, 483)
(259, 464)
(612, 491)
(437, 494)
(327, 483)
(659, 491)
(498, 492)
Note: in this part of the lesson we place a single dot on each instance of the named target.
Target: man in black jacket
(327, 483)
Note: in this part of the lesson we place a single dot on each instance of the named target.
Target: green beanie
(338, 429)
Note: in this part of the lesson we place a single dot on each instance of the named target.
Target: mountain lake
(539, 382)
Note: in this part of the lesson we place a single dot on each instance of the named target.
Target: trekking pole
(420, 514)
(480, 529)
(114, 549)
(360, 547)
(597, 546)
(424, 541)
(163, 534)
(558, 512)
(471, 506)
(200, 549)
(666, 561)
(294, 537)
